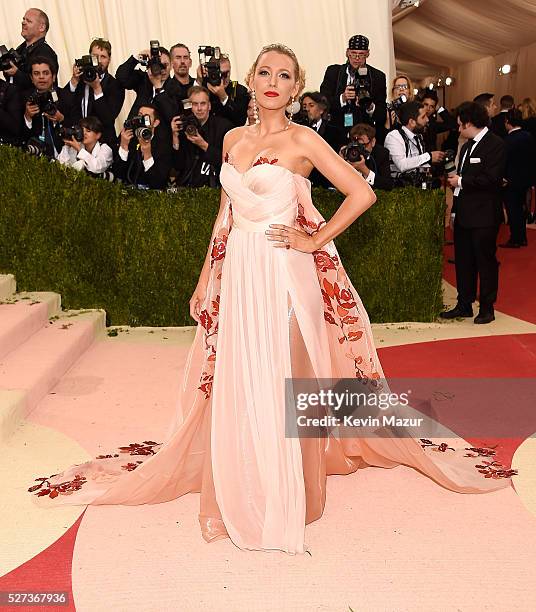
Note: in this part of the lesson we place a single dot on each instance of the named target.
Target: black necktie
(464, 155)
(420, 143)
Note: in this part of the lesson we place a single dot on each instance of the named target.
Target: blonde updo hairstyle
(299, 73)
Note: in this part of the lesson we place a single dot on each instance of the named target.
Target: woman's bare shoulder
(305, 135)
(234, 135)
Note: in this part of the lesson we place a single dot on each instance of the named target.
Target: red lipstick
(271, 94)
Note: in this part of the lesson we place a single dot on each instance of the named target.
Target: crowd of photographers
(174, 131)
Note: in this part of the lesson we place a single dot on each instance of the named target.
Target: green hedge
(138, 254)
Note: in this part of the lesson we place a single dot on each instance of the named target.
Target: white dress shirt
(476, 139)
(99, 160)
(85, 99)
(415, 158)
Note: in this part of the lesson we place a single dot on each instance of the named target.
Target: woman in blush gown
(273, 302)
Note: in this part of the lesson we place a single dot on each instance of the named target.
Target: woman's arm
(359, 195)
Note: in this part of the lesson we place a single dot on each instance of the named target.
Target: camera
(8, 57)
(397, 103)
(449, 162)
(212, 64)
(152, 61)
(355, 151)
(89, 65)
(36, 146)
(189, 122)
(45, 100)
(74, 132)
(362, 87)
(141, 126)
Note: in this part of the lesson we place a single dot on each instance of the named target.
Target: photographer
(35, 26)
(96, 92)
(228, 99)
(83, 150)
(356, 92)
(181, 62)
(154, 87)
(439, 120)
(144, 155)
(401, 92)
(410, 163)
(45, 109)
(11, 113)
(198, 142)
(316, 107)
(370, 159)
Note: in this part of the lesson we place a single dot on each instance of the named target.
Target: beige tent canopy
(470, 40)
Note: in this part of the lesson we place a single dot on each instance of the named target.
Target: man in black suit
(101, 97)
(356, 92)
(153, 89)
(477, 213)
(11, 112)
(144, 161)
(519, 175)
(198, 153)
(35, 26)
(181, 62)
(40, 124)
(375, 167)
(316, 107)
(497, 122)
(445, 123)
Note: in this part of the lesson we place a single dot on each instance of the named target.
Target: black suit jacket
(165, 101)
(106, 108)
(11, 113)
(40, 48)
(336, 138)
(520, 160)
(435, 127)
(198, 168)
(333, 86)
(497, 125)
(479, 203)
(379, 162)
(132, 171)
(236, 107)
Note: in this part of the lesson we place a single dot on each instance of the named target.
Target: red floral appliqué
(490, 469)
(68, 487)
(264, 160)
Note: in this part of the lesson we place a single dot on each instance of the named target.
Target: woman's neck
(272, 121)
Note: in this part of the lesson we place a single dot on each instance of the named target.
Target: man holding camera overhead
(228, 99)
(357, 92)
(46, 107)
(198, 141)
(96, 93)
(144, 155)
(153, 86)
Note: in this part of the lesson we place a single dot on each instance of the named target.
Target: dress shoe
(509, 245)
(457, 311)
(484, 317)
(525, 243)
(453, 261)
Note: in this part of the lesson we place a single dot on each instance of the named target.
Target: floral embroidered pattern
(45, 487)
(264, 160)
(490, 469)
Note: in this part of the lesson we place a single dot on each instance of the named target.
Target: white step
(23, 315)
(8, 286)
(35, 367)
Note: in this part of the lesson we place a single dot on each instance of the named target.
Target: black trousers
(474, 252)
(515, 202)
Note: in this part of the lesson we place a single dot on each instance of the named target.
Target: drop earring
(290, 109)
(255, 107)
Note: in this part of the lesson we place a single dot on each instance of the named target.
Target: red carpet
(517, 272)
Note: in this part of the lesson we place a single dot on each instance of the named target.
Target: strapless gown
(270, 314)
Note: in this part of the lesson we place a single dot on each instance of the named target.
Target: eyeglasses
(404, 86)
(357, 55)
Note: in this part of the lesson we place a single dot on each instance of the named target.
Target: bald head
(35, 25)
